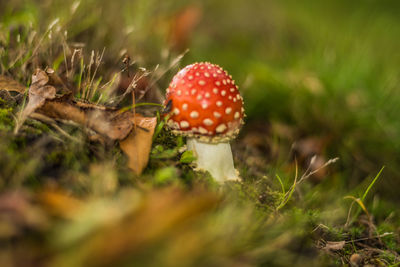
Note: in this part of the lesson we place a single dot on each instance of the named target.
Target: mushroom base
(215, 158)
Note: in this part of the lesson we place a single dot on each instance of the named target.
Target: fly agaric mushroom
(207, 108)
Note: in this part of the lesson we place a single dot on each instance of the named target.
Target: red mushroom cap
(206, 103)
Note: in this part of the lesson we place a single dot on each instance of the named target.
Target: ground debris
(132, 129)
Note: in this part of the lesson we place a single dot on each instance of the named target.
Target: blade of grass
(281, 183)
(371, 184)
(289, 193)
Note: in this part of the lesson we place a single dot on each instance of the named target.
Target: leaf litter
(132, 130)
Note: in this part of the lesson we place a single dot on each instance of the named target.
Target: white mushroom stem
(215, 158)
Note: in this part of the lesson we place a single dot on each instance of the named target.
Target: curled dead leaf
(115, 125)
(38, 93)
(9, 84)
(111, 123)
(138, 143)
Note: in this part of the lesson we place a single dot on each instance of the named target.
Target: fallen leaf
(111, 123)
(138, 143)
(9, 84)
(115, 125)
(38, 93)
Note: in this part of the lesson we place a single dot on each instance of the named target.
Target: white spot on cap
(206, 74)
(228, 110)
(228, 81)
(179, 92)
(202, 130)
(182, 81)
(219, 103)
(199, 97)
(215, 75)
(224, 81)
(176, 111)
(230, 97)
(215, 90)
(185, 106)
(220, 128)
(197, 73)
(234, 100)
(186, 92)
(207, 95)
(217, 83)
(232, 89)
(223, 92)
(219, 71)
(237, 115)
(190, 77)
(217, 114)
(194, 114)
(201, 82)
(208, 122)
(193, 91)
(184, 124)
(238, 97)
(204, 105)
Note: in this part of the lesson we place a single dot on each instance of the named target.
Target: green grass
(325, 71)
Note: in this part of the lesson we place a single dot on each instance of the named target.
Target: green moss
(6, 119)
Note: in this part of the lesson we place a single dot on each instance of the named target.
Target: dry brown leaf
(138, 143)
(111, 123)
(38, 93)
(9, 84)
(106, 121)
(114, 124)
(334, 245)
